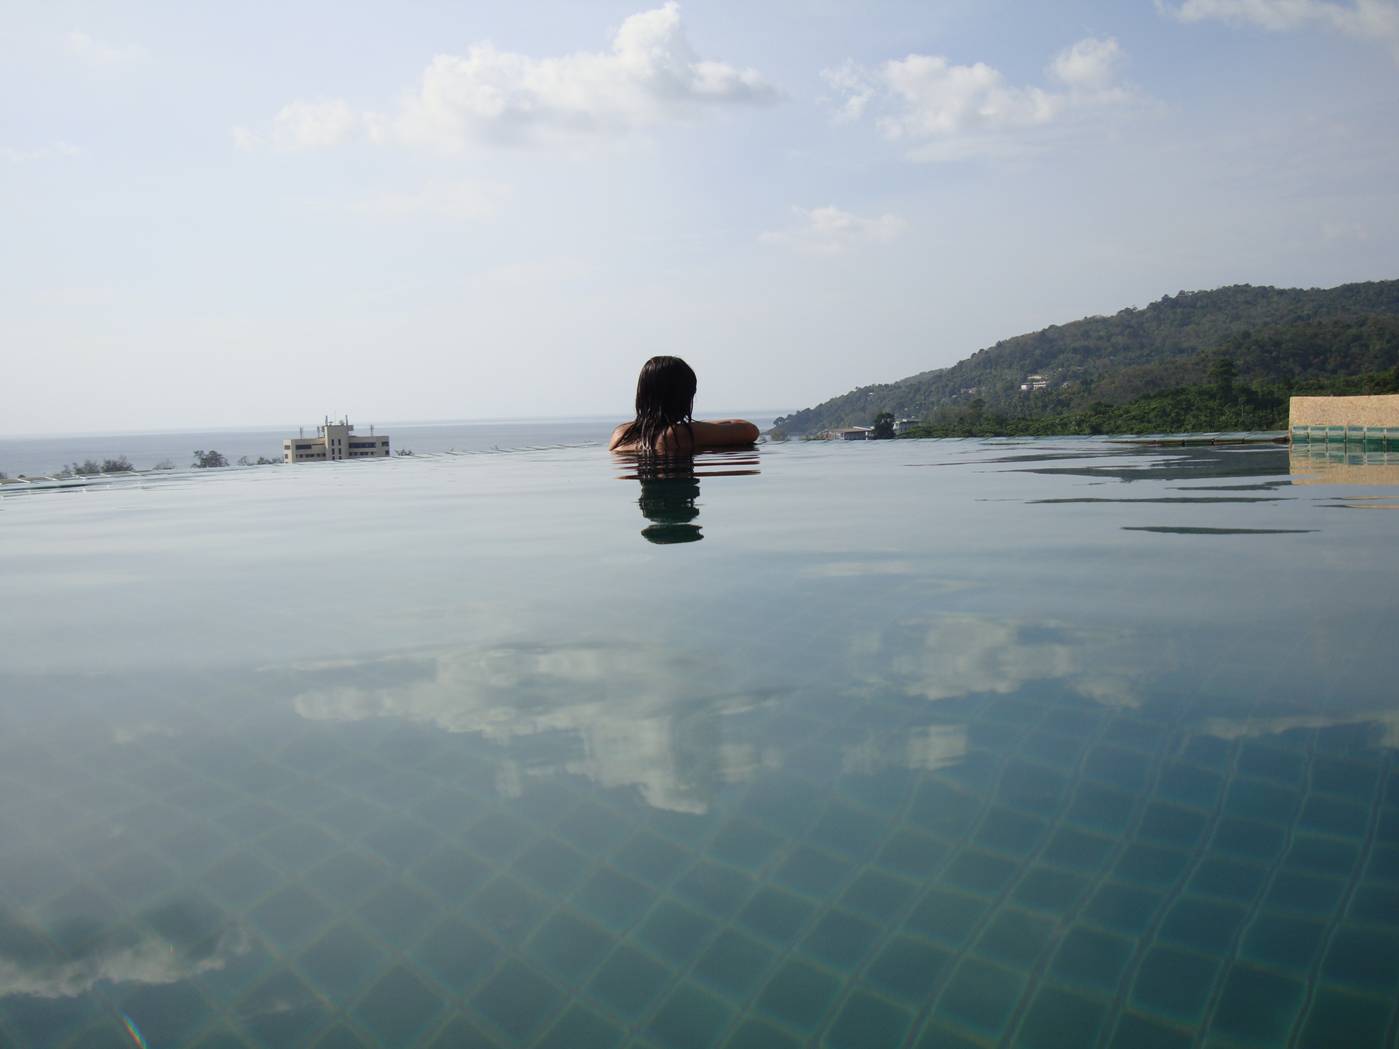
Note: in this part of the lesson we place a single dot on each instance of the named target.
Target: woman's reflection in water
(670, 489)
(668, 501)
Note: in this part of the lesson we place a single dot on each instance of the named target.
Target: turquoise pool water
(934, 744)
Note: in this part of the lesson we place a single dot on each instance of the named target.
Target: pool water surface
(918, 743)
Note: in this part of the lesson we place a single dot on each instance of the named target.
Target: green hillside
(1277, 338)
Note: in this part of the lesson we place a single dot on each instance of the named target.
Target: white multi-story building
(335, 441)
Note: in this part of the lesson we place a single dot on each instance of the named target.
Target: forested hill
(1271, 334)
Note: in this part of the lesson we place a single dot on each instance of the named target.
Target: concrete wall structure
(1372, 422)
(1377, 411)
(335, 441)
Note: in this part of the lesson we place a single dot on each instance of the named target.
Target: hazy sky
(224, 214)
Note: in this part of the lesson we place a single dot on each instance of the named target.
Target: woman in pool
(665, 398)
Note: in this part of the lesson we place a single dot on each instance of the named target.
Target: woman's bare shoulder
(686, 437)
(725, 432)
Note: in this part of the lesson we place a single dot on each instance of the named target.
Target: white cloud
(305, 125)
(1091, 64)
(101, 54)
(857, 87)
(1376, 20)
(939, 98)
(457, 201)
(48, 151)
(312, 125)
(943, 111)
(650, 76)
(830, 231)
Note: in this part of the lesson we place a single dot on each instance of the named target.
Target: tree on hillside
(209, 460)
(1223, 372)
(883, 426)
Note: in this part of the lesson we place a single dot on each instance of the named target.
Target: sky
(261, 213)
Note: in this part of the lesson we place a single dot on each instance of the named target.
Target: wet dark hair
(665, 397)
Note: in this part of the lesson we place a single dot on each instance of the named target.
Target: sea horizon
(771, 413)
(43, 454)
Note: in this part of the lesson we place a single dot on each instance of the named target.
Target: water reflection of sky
(250, 719)
(77, 953)
(632, 715)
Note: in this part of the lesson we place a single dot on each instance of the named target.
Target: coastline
(44, 454)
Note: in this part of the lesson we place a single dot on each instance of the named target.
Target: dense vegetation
(92, 468)
(1280, 340)
(1220, 405)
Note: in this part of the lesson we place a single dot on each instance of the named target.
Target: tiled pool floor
(862, 786)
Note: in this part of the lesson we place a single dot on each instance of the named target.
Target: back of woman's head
(666, 389)
(665, 397)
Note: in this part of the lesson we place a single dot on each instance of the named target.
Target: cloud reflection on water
(962, 655)
(957, 654)
(642, 715)
(1385, 724)
(667, 719)
(653, 717)
(924, 747)
(194, 942)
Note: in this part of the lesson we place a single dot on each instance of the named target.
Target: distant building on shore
(335, 441)
(850, 433)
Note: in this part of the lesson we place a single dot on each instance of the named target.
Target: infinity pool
(920, 743)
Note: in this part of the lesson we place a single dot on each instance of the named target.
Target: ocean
(46, 454)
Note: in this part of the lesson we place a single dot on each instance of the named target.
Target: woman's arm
(724, 432)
